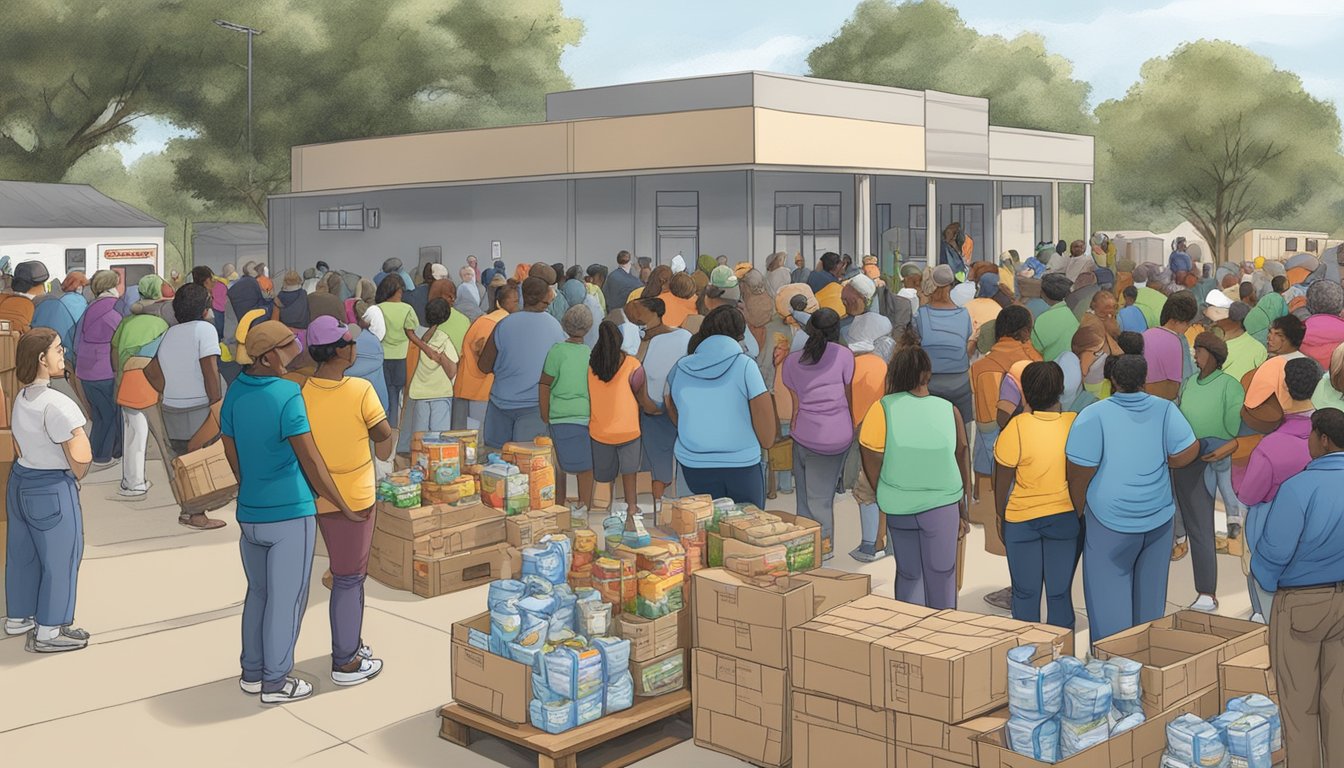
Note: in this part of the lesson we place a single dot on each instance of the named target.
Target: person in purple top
(93, 367)
(1280, 455)
(820, 376)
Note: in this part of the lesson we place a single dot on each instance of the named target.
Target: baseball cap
(723, 277)
(864, 285)
(266, 336)
(1217, 298)
(910, 270)
(943, 276)
(327, 330)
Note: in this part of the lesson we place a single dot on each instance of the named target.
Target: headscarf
(757, 304)
(151, 287)
(522, 273)
(104, 280)
(1271, 307)
(489, 274)
(574, 292)
(962, 293)
(777, 274)
(989, 285)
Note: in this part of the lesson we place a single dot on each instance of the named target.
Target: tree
(926, 45)
(1216, 132)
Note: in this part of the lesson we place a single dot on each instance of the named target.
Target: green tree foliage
(926, 45)
(1216, 133)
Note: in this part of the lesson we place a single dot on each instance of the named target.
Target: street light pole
(251, 33)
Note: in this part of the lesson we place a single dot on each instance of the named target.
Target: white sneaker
(294, 690)
(368, 669)
(364, 652)
(127, 493)
(252, 688)
(1205, 603)
(16, 627)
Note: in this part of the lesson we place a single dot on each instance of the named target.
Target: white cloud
(783, 53)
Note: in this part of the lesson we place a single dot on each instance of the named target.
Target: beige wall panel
(785, 138)
(1032, 154)
(683, 139)
(491, 153)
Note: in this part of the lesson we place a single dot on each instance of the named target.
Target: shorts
(612, 461)
(506, 425)
(573, 447)
(658, 439)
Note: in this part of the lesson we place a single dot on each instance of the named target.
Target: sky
(632, 40)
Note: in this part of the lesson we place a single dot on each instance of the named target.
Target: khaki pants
(1306, 643)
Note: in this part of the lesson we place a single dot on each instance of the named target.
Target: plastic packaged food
(1037, 739)
(1034, 693)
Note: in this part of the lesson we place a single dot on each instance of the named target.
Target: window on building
(882, 224)
(678, 222)
(1313, 246)
(1290, 243)
(919, 231)
(1027, 201)
(825, 218)
(75, 259)
(342, 217)
(972, 218)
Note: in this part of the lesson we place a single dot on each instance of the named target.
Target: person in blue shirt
(515, 353)
(1179, 262)
(1120, 454)
(1300, 557)
(1131, 317)
(271, 450)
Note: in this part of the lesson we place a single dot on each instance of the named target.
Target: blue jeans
(745, 485)
(44, 547)
(1124, 577)
(1044, 550)
(926, 556)
(106, 417)
(394, 378)
(277, 560)
(1262, 600)
(426, 416)
(1218, 478)
(505, 425)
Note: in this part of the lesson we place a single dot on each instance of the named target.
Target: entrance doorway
(130, 274)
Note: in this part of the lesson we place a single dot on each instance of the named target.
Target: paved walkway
(158, 682)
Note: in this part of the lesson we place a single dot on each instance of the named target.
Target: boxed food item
(931, 740)
(741, 708)
(504, 487)
(1139, 747)
(202, 478)
(527, 528)
(492, 684)
(1247, 674)
(662, 675)
(658, 596)
(437, 456)
(441, 574)
(615, 580)
(735, 617)
(461, 492)
(753, 562)
(470, 440)
(836, 654)
(661, 558)
(690, 515)
(651, 638)
(537, 461)
(1176, 663)
(800, 536)
(400, 490)
(828, 731)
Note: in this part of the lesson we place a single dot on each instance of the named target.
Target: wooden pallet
(563, 749)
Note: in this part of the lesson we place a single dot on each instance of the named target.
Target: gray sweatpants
(277, 560)
(1194, 505)
(816, 475)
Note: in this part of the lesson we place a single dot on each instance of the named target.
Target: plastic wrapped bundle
(504, 590)
(574, 673)
(553, 717)
(1126, 688)
(1195, 742)
(533, 634)
(563, 617)
(549, 560)
(1171, 761)
(1033, 692)
(506, 621)
(1247, 738)
(538, 587)
(615, 656)
(1074, 737)
(1127, 723)
(531, 656)
(537, 607)
(1086, 699)
(589, 708)
(1257, 704)
(1071, 665)
(1037, 739)
(478, 639)
(594, 618)
(620, 693)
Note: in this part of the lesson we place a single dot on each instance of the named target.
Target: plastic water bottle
(613, 530)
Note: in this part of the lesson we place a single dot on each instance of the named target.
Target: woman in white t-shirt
(46, 528)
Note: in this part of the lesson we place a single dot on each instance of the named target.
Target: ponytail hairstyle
(607, 356)
(823, 328)
(910, 366)
(721, 321)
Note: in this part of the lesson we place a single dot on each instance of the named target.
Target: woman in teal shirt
(915, 454)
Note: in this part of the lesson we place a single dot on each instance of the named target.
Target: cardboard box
(1246, 674)
(741, 708)
(204, 477)
(833, 588)
(658, 677)
(827, 732)
(752, 623)
(836, 654)
(411, 523)
(803, 545)
(688, 515)
(924, 741)
(1176, 664)
(1141, 747)
(9, 452)
(652, 638)
(940, 673)
(504, 487)
(1241, 635)
(391, 559)
(485, 682)
(1059, 639)
(537, 461)
(526, 529)
(441, 574)
(468, 528)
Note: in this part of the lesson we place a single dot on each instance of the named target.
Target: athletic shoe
(364, 669)
(364, 652)
(16, 627)
(293, 690)
(127, 493)
(1205, 603)
(250, 687)
(68, 639)
(867, 553)
(1003, 599)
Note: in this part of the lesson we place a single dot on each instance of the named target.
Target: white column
(992, 253)
(932, 237)
(1054, 211)
(863, 213)
(1087, 211)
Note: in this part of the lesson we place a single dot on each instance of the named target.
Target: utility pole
(251, 33)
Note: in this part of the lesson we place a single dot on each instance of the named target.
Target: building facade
(740, 165)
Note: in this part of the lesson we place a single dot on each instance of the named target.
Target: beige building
(738, 164)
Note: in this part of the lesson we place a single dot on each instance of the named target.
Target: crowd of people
(1077, 406)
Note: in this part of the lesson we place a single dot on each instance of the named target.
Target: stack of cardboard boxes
(741, 691)
(437, 549)
(1181, 655)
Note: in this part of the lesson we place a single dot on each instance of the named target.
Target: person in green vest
(1053, 331)
(915, 454)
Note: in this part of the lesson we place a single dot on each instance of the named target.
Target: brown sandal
(204, 523)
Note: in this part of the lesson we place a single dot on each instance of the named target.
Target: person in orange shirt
(679, 299)
(868, 386)
(30, 281)
(614, 379)
(473, 386)
(1266, 387)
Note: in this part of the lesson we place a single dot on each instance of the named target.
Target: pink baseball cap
(326, 330)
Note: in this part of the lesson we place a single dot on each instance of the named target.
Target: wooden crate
(562, 750)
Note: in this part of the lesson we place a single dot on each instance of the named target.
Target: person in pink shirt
(1279, 455)
(1168, 350)
(1325, 327)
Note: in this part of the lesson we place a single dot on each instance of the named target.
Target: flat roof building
(741, 165)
